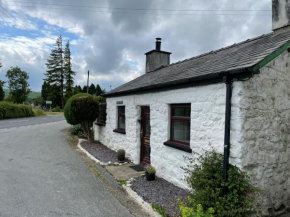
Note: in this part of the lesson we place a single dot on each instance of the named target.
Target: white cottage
(237, 98)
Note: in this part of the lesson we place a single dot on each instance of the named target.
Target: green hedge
(11, 110)
(67, 109)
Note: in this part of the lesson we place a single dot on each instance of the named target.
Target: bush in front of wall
(11, 110)
(85, 110)
(76, 129)
(194, 210)
(121, 155)
(207, 185)
(70, 119)
(150, 172)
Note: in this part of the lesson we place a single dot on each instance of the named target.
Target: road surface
(10, 123)
(40, 175)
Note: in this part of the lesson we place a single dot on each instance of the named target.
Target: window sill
(100, 124)
(178, 146)
(119, 131)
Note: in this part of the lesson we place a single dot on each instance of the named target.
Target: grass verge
(53, 113)
(38, 112)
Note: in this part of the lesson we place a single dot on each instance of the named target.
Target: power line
(21, 23)
(139, 9)
(136, 13)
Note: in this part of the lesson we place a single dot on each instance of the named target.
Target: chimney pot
(158, 44)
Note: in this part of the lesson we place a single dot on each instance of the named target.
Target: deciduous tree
(2, 93)
(18, 84)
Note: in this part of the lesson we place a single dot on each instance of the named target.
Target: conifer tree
(85, 88)
(2, 93)
(56, 73)
(92, 89)
(68, 72)
(99, 90)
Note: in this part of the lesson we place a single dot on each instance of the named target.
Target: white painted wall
(207, 126)
(263, 103)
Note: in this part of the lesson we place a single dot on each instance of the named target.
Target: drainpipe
(227, 145)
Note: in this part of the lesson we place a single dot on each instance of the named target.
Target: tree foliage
(206, 181)
(59, 74)
(69, 73)
(67, 109)
(18, 84)
(2, 93)
(92, 89)
(85, 111)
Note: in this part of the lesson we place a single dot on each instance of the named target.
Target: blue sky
(111, 42)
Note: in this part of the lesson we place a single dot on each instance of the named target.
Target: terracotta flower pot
(150, 176)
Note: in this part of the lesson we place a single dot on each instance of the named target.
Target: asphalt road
(10, 123)
(40, 175)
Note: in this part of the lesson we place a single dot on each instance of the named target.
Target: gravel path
(161, 193)
(101, 152)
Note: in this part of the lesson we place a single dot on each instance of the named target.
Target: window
(121, 120)
(180, 127)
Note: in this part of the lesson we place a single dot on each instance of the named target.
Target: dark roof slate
(235, 57)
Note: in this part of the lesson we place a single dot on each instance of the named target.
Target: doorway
(145, 136)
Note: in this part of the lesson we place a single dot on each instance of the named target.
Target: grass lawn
(53, 113)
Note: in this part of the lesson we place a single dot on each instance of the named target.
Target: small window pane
(122, 110)
(181, 112)
(121, 122)
(181, 131)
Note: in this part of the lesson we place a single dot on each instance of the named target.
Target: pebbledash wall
(260, 129)
(263, 104)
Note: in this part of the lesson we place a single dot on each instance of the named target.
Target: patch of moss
(122, 182)
(95, 170)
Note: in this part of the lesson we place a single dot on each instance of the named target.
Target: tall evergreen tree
(56, 73)
(80, 89)
(92, 89)
(99, 90)
(45, 90)
(68, 72)
(85, 88)
(2, 93)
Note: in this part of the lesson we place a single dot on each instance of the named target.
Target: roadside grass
(122, 182)
(160, 210)
(95, 170)
(38, 112)
(53, 113)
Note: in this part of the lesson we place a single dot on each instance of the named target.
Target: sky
(110, 37)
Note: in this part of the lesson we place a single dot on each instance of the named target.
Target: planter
(150, 176)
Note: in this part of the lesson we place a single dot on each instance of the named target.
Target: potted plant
(121, 155)
(150, 173)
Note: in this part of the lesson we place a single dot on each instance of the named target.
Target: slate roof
(234, 58)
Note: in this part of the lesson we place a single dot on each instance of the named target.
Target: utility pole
(88, 81)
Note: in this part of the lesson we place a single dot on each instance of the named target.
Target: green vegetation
(85, 110)
(95, 170)
(2, 93)
(160, 210)
(76, 129)
(31, 96)
(121, 154)
(18, 84)
(67, 109)
(11, 110)
(38, 112)
(234, 198)
(194, 210)
(150, 169)
(122, 182)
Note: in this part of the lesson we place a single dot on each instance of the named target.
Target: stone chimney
(280, 16)
(156, 59)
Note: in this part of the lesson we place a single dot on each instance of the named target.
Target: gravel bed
(101, 152)
(160, 192)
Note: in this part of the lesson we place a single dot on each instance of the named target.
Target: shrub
(38, 112)
(76, 129)
(56, 109)
(121, 154)
(67, 109)
(207, 184)
(194, 210)
(11, 110)
(150, 169)
(85, 111)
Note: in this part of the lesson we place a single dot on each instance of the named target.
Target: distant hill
(32, 94)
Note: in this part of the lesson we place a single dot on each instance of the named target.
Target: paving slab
(123, 172)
